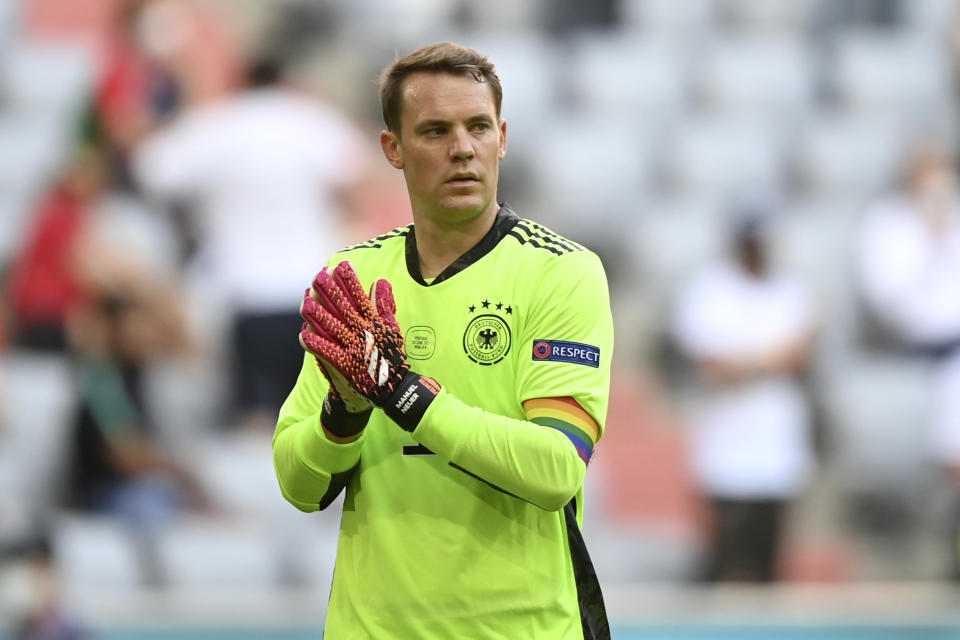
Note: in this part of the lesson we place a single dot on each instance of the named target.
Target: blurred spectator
(747, 332)
(135, 91)
(910, 258)
(116, 459)
(268, 173)
(43, 287)
(119, 467)
(910, 274)
(151, 70)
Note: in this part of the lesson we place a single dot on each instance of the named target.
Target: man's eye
(435, 131)
(480, 127)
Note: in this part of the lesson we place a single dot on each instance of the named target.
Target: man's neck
(438, 245)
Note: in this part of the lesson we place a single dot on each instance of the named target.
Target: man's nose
(461, 145)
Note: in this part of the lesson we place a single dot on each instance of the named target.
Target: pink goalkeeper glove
(359, 344)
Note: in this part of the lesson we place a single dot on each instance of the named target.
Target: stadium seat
(891, 73)
(15, 209)
(676, 236)
(764, 76)
(95, 552)
(398, 20)
(626, 77)
(816, 242)
(212, 553)
(931, 17)
(505, 14)
(718, 155)
(590, 164)
(767, 17)
(35, 411)
(848, 155)
(31, 152)
(48, 80)
(9, 26)
(237, 473)
(687, 18)
(643, 553)
(816, 236)
(879, 408)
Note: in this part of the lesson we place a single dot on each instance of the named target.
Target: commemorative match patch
(562, 351)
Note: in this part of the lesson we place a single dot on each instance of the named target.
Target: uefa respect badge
(563, 351)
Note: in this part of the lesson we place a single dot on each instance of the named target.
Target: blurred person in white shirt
(271, 174)
(747, 332)
(910, 277)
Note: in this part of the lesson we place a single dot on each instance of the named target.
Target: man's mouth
(463, 179)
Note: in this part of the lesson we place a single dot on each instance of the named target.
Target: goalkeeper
(455, 386)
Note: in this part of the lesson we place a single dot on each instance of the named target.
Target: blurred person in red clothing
(43, 286)
(158, 57)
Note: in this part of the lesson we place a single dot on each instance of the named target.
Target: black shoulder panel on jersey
(376, 243)
(502, 226)
(593, 613)
(536, 235)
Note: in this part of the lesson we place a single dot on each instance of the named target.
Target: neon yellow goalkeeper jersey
(427, 547)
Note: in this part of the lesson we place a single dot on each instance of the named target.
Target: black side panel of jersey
(593, 613)
(337, 482)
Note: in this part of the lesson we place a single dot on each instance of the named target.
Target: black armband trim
(411, 399)
(337, 420)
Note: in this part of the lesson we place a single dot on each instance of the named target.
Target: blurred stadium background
(635, 126)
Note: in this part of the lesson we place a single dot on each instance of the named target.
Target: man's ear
(390, 143)
(503, 140)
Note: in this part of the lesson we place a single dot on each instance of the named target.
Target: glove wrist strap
(336, 419)
(407, 405)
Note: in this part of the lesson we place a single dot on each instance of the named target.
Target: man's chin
(465, 207)
(452, 215)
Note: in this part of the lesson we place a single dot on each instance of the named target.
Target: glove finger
(321, 321)
(352, 398)
(349, 282)
(328, 293)
(340, 388)
(326, 373)
(321, 347)
(381, 294)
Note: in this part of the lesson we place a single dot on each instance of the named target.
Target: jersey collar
(503, 223)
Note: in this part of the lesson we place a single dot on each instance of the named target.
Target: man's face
(449, 145)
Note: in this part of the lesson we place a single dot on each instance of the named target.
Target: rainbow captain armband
(568, 417)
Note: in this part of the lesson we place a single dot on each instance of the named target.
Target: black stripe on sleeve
(536, 244)
(486, 482)
(542, 238)
(593, 613)
(374, 243)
